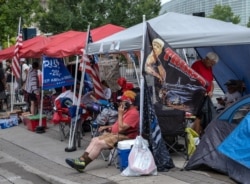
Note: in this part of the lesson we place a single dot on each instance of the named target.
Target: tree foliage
(224, 13)
(248, 23)
(64, 15)
(10, 11)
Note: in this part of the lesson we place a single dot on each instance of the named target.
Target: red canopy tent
(65, 44)
(61, 45)
(71, 42)
(7, 53)
(31, 48)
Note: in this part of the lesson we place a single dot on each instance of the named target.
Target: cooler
(33, 122)
(123, 150)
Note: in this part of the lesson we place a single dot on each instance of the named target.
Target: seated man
(230, 96)
(126, 127)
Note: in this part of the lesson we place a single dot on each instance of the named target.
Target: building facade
(239, 7)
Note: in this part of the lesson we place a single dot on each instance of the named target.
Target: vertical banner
(55, 73)
(175, 84)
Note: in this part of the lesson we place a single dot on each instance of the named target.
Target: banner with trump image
(174, 84)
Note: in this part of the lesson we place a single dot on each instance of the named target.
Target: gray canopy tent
(231, 42)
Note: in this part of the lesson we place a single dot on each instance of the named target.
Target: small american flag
(92, 69)
(15, 62)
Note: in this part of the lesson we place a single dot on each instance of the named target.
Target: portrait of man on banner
(175, 84)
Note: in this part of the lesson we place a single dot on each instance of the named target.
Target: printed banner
(55, 73)
(175, 84)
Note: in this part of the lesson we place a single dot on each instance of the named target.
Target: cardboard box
(33, 122)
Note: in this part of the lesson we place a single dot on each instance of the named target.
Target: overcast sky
(164, 1)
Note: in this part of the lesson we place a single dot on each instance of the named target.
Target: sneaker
(76, 164)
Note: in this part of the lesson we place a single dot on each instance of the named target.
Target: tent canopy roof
(180, 31)
(71, 42)
(61, 45)
(231, 42)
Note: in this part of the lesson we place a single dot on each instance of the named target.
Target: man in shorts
(126, 127)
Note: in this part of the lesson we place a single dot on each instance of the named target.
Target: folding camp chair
(172, 123)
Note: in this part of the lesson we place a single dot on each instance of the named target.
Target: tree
(248, 24)
(10, 11)
(64, 15)
(225, 13)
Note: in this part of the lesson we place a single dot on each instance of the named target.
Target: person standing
(2, 87)
(25, 69)
(204, 68)
(32, 88)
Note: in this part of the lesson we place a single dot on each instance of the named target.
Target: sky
(164, 1)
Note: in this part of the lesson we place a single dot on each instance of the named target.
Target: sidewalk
(44, 155)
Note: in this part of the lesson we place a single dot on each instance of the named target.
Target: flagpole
(72, 133)
(41, 128)
(141, 76)
(72, 128)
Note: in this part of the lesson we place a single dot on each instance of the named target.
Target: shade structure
(7, 53)
(71, 42)
(231, 42)
(65, 44)
(32, 48)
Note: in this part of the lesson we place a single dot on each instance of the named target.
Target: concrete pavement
(44, 155)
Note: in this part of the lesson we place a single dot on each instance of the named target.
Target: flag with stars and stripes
(16, 59)
(92, 69)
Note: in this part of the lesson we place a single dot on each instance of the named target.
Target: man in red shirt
(204, 68)
(126, 127)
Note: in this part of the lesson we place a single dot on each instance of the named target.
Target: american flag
(15, 62)
(93, 70)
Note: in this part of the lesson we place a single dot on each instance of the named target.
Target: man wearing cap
(204, 68)
(230, 96)
(126, 127)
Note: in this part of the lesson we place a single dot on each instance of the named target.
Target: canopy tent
(31, 48)
(7, 53)
(231, 42)
(71, 42)
(60, 45)
(65, 44)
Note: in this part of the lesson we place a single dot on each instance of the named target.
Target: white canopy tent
(179, 30)
(231, 42)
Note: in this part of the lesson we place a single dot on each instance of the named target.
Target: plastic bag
(194, 140)
(140, 160)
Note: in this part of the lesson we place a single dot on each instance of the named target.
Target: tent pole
(141, 76)
(40, 128)
(71, 134)
(71, 137)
